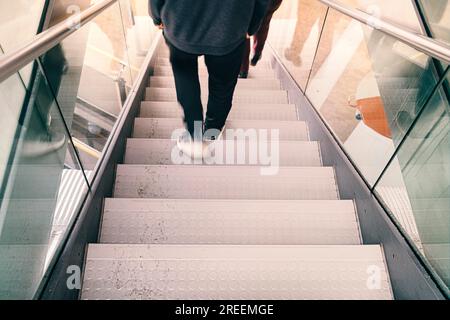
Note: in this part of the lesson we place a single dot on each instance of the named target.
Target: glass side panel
(12, 96)
(368, 88)
(54, 131)
(41, 187)
(294, 35)
(90, 74)
(389, 10)
(416, 187)
(20, 21)
(140, 34)
(437, 14)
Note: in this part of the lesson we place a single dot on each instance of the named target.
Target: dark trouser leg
(261, 36)
(187, 83)
(223, 77)
(54, 63)
(246, 59)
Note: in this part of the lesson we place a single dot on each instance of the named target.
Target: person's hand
(161, 26)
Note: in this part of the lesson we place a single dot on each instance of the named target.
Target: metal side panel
(291, 153)
(164, 128)
(225, 182)
(241, 96)
(265, 222)
(156, 272)
(243, 84)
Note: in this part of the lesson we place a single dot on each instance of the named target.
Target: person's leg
(260, 37)
(187, 83)
(309, 13)
(44, 136)
(246, 60)
(223, 77)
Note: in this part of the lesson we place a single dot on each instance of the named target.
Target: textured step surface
(277, 112)
(234, 272)
(231, 232)
(165, 128)
(224, 182)
(229, 222)
(291, 153)
(245, 96)
(243, 84)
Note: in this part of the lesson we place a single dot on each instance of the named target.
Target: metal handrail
(16, 60)
(429, 46)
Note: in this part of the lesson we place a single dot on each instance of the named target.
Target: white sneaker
(191, 148)
(212, 135)
(43, 144)
(211, 138)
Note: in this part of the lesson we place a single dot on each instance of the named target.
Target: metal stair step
(164, 128)
(254, 73)
(243, 96)
(159, 152)
(249, 229)
(230, 222)
(243, 84)
(212, 272)
(279, 112)
(225, 182)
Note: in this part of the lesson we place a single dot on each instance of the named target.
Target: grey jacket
(214, 27)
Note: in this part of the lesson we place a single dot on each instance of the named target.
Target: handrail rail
(424, 44)
(16, 60)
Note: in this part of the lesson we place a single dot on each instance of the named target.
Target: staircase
(226, 231)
